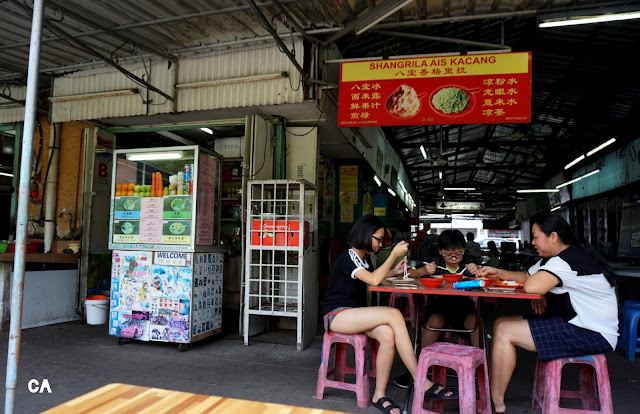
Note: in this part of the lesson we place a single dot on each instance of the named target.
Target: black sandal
(440, 395)
(387, 410)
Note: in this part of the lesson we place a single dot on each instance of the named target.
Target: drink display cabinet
(166, 273)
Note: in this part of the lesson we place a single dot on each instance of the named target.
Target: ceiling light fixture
(393, 193)
(145, 156)
(381, 17)
(6, 174)
(590, 153)
(555, 209)
(377, 180)
(460, 188)
(578, 178)
(440, 174)
(574, 162)
(207, 130)
(228, 81)
(539, 190)
(571, 21)
(105, 94)
(424, 153)
(599, 147)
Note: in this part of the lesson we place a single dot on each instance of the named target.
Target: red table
(447, 289)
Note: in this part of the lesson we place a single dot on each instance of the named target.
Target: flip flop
(387, 410)
(440, 395)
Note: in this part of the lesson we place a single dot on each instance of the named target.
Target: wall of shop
(214, 80)
(69, 179)
(617, 169)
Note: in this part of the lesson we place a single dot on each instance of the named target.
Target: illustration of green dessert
(450, 100)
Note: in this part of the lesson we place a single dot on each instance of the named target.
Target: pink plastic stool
(340, 368)
(467, 361)
(409, 315)
(547, 391)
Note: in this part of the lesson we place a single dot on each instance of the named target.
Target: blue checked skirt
(556, 338)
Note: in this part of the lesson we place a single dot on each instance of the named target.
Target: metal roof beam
(442, 39)
(77, 16)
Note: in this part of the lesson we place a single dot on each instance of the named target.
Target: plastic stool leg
(551, 401)
(339, 361)
(588, 387)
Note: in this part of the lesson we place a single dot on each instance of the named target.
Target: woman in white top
(578, 314)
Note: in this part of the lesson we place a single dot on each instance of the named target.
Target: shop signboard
(487, 88)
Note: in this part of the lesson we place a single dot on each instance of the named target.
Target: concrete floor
(77, 358)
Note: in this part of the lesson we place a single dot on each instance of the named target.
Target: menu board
(151, 220)
(126, 231)
(161, 220)
(177, 207)
(206, 199)
(127, 208)
(487, 88)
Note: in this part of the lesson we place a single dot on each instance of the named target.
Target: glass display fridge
(164, 221)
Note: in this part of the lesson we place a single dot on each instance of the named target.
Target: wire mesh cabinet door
(281, 256)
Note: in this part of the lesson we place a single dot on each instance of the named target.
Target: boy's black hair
(361, 232)
(451, 239)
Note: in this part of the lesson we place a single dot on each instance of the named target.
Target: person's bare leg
(470, 323)
(508, 332)
(384, 361)
(430, 337)
(363, 320)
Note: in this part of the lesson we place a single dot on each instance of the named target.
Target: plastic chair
(362, 357)
(548, 379)
(410, 313)
(467, 361)
(629, 340)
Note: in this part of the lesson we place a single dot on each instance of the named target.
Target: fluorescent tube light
(574, 162)
(424, 153)
(591, 173)
(106, 94)
(403, 187)
(393, 193)
(599, 147)
(539, 190)
(6, 174)
(578, 178)
(568, 182)
(555, 209)
(227, 81)
(381, 17)
(207, 130)
(460, 188)
(571, 21)
(377, 180)
(144, 156)
(440, 174)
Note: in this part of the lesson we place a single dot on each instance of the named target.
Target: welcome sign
(470, 89)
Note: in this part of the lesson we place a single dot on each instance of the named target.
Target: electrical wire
(264, 152)
(314, 126)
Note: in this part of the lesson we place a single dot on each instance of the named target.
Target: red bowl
(450, 277)
(431, 282)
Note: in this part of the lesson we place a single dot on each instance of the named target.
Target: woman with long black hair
(578, 314)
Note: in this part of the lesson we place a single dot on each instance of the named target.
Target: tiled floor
(76, 358)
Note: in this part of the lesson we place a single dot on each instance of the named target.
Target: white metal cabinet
(281, 257)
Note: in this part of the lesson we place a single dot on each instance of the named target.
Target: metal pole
(23, 197)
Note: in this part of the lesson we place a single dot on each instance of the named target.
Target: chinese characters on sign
(470, 89)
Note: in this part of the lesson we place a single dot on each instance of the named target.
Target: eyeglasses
(377, 238)
(453, 256)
